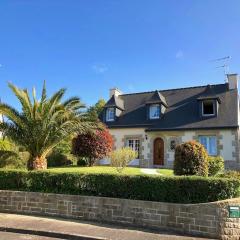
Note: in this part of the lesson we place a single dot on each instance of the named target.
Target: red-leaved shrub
(93, 146)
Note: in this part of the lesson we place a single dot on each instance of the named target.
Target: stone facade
(206, 219)
(227, 144)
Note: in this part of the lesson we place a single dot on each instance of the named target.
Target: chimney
(232, 81)
(114, 91)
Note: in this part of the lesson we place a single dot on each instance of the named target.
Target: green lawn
(109, 170)
(166, 172)
(97, 169)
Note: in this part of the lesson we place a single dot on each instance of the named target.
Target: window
(134, 145)
(154, 111)
(110, 114)
(210, 143)
(208, 107)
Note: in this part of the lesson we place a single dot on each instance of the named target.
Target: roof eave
(193, 128)
(209, 98)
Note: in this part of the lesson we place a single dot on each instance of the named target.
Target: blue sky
(89, 46)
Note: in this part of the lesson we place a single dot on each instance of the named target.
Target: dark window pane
(208, 107)
(173, 145)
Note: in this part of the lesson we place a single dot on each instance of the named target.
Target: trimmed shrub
(57, 159)
(183, 189)
(120, 158)
(230, 174)
(191, 159)
(215, 165)
(81, 162)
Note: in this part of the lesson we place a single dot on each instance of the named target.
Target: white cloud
(100, 68)
(179, 54)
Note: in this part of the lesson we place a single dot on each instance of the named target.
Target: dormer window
(110, 114)
(154, 111)
(208, 108)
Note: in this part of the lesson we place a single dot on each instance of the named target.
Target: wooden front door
(158, 153)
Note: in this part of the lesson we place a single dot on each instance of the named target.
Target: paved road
(78, 228)
(16, 236)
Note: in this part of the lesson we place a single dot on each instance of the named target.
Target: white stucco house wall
(153, 123)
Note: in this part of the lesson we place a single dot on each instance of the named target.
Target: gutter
(184, 129)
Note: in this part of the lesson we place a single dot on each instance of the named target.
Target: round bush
(56, 159)
(191, 159)
(81, 162)
(215, 165)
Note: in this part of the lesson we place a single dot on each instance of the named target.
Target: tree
(95, 110)
(42, 124)
(120, 158)
(93, 145)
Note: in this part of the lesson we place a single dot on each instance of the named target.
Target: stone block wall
(207, 219)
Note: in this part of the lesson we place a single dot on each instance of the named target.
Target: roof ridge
(165, 90)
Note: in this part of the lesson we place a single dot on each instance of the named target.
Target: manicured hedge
(183, 189)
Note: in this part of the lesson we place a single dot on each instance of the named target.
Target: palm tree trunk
(37, 163)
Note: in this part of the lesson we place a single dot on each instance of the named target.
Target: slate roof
(182, 110)
(115, 102)
(209, 93)
(157, 97)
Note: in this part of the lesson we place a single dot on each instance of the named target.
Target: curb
(50, 234)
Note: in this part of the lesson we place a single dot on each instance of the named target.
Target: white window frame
(110, 112)
(212, 114)
(134, 144)
(207, 146)
(151, 112)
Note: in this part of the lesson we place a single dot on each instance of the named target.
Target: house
(153, 123)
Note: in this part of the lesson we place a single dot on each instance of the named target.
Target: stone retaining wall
(206, 219)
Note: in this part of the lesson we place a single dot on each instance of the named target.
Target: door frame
(163, 145)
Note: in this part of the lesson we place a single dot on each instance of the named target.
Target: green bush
(185, 189)
(230, 174)
(12, 156)
(58, 159)
(215, 165)
(81, 162)
(190, 159)
(5, 144)
(120, 158)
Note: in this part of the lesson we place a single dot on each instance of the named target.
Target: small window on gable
(208, 108)
(110, 114)
(154, 111)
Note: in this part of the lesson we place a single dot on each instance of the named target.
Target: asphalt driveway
(36, 228)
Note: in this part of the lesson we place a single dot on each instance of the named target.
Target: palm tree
(42, 124)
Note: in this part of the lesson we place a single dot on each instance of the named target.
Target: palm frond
(11, 113)
(23, 97)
